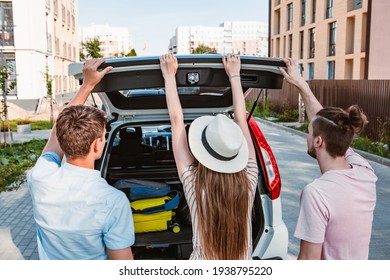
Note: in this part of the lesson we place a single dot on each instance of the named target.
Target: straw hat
(218, 143)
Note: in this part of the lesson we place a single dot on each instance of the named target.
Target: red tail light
(272, 175)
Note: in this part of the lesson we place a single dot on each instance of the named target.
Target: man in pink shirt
(336, 211)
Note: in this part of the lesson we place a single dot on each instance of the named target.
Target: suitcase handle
(171, 204)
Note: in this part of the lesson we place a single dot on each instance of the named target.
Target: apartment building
(113, 40)
(332, 39)
(36, 35)
(244, 37)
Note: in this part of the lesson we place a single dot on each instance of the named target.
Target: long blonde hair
(222, 203)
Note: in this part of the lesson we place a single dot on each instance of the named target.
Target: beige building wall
(379, 45)
(350, 19)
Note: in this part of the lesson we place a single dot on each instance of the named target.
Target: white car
(133, 97)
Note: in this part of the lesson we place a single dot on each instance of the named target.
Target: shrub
(15, 160)
(23, 121)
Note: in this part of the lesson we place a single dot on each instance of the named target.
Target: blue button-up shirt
(78, 214)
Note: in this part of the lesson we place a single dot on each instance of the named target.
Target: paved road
(17, 226)
(298, 169)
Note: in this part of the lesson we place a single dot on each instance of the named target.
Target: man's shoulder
(45, 166)
(108, 193)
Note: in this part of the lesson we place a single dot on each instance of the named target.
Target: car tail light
(272, 175)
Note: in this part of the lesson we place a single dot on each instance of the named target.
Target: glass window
(8, 60)
(290, 42)
(311, 71)
(332, 39)
(289, 16)
(303, 12)
(329, 8)
(313, 11)
(300, 68)
(331, 70)
(7, 25)
(312, 39)
(301, 37)
(358, 4)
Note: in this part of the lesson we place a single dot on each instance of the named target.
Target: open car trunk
(150, 158)
(133, 96)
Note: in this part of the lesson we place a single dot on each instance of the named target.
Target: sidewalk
(17, 226)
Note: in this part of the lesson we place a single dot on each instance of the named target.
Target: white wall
(30, 47)
(32, 23)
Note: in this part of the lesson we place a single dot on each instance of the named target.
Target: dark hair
(337, 127)
(77, 127)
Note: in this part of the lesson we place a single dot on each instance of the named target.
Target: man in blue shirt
(78, 215)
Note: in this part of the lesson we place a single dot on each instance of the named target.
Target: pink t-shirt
(337, 210)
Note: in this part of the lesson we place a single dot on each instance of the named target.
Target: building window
(310, 72)
(55, 4)
(358, 4)
(313, 11)
(47, 6)
(49, 43)
(332, 38)
(289, 16)
(329, 8)
(63, 15)
(300, 68)
(303, 12)
(8, 60)
(64, 49)
(301, 37)
(312, 40)
(290, 43)
(7, 24)
(331, 70)
(277, 23)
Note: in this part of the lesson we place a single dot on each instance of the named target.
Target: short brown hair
(337, 127)
(77, 127)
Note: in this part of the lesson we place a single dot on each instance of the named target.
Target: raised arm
(91, 77)
(232, 66)
(181, 151)
(312, 105)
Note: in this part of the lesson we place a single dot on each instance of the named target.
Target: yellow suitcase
(149, 214)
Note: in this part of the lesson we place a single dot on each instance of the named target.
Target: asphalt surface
(17, 226)
(297, 169)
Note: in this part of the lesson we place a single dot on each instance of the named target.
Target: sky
(154, 22)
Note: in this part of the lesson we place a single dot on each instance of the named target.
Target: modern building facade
(243, 37)
(332, 39)
(35, 36)
(113, 40)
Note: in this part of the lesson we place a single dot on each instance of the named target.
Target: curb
(372, 157)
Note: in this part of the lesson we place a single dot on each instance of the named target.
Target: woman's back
(188, 179)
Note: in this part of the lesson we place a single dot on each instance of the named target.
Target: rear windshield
(194, 91)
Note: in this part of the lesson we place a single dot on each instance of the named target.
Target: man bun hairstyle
(357, 118)
(337, 127)
(77, 127)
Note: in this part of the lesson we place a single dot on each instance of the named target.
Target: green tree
(6, 86)
(49, 93)
(91, 49)
(203, 49)
(132, 53)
